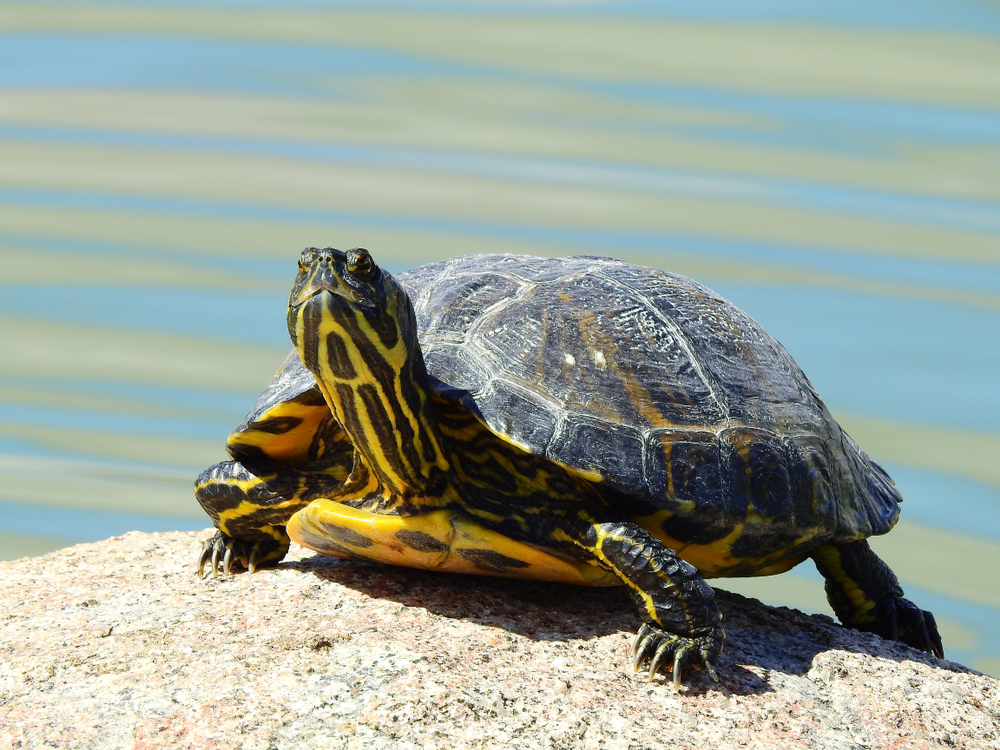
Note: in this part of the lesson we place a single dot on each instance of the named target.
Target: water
(829, 167)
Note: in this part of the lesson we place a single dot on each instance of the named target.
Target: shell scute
(512, 410)
(470, 296)
(601, 448)
(685, 465)
(465, 372)
(757, 463)
(752, 378)
(617, 361)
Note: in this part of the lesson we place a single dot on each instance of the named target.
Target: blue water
(934, 211)
(851, 125)
(181, 426)
(970, 215)
(86, 525)
(172, 62)
(212, 313)
(193, 400)
(267, 67)
(948, 501)
(930, 15)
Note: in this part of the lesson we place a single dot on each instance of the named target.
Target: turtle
(580, 420)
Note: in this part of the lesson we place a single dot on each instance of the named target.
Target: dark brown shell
(674, 396)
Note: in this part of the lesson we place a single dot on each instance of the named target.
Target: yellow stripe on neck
(389, 424)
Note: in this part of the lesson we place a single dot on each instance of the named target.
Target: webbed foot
(899, 619)
(249, 555)
(866, 595)
(661, 648)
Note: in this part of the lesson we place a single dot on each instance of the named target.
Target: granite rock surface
(118, 644)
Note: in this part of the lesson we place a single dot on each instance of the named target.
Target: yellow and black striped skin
(419, 479)
(287, 452)
(865, 595)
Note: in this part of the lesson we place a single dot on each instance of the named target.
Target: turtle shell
(654, 386)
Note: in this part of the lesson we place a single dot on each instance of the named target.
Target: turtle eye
(360, 263)
(306, 258)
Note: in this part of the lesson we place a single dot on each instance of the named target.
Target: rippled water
(831, 168)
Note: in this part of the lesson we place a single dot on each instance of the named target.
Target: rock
(118, 644)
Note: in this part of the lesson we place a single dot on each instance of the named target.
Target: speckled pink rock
(119, 645)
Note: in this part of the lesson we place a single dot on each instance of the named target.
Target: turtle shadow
(761, 640)
(534, 609)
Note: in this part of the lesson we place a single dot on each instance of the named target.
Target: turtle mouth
(323, 276)
(352, 276)
(316, 321)
(317, 311)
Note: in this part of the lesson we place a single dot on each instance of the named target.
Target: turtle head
(343, 306)
(351, 275)
(354, 328)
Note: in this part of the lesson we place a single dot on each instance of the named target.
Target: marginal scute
(605, 449)
(517, 412)
(811, 473)
(684, 465)
(758, 468)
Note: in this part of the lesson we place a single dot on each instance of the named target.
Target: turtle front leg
(866, 595)
(250, 516)
(682, 620)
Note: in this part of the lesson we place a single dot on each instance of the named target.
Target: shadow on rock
(767, 639)
(536, 610)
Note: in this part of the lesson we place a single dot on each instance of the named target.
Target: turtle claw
(232, 552)
(227, 561)
(642, 646)
(899, 619)
(660, 648)
(710, 668)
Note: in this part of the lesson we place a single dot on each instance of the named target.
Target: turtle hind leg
(250, 517)
(682, 620)
(866, 595)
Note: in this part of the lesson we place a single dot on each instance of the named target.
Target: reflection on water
(832, 170)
